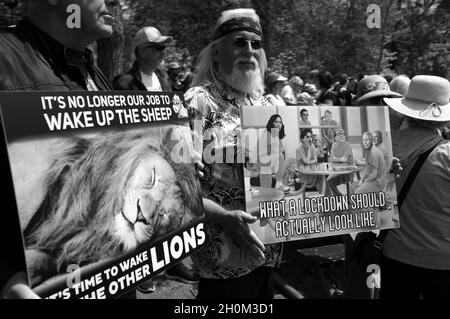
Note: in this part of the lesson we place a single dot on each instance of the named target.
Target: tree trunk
(382, 38)
(110, 51)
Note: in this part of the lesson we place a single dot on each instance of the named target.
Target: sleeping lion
(108, 195)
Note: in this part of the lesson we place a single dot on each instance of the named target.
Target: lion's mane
(85, 189)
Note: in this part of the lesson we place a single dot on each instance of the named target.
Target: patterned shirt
(215, 117)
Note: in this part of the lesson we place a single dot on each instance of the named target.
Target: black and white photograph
(92, 195)
(291, 174)
(319, 164)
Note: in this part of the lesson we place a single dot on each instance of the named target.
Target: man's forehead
(243, 34)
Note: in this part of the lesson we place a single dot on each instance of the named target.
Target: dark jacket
(32, 60)
(132, 81)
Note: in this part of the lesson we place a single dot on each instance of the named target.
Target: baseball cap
(150, 35)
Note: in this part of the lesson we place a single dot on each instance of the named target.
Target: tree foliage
(298, 34)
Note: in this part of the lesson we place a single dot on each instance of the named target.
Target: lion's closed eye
(152, 179)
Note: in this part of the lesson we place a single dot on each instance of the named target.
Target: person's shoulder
(202, 89)
(123, 81)
(200, 97)
(381, 146)
(376, 151)
(271, 98)
(8, 34)
(161, 72)
(442, 151)
(17, 59)
(11, 43)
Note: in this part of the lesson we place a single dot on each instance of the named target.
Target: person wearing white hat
(400, 84)
(274, 85)
(416, 256)
(146, 73)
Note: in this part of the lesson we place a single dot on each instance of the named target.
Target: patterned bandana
(238, 24)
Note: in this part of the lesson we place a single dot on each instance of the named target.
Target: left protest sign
(94, 190)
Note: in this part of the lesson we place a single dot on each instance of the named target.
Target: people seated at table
(341, 152)
(306, 155)
(372, 178)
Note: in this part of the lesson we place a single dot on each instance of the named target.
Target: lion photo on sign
(107, 195)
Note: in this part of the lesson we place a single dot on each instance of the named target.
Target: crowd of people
(41, 53)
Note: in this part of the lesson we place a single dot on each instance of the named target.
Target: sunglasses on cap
(242, 43)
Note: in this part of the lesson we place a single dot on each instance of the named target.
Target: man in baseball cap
(150, 35)
(146, 73)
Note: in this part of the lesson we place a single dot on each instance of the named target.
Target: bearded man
(229, 76)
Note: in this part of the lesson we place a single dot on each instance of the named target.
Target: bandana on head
(238, 24)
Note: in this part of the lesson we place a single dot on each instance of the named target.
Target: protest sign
(106, 189)
(318, 171)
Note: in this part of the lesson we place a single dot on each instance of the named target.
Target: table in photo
(254, 195)
(323, 170)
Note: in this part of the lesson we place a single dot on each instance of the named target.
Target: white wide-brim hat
(427, 99)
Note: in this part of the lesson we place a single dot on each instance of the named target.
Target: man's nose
(248, 49)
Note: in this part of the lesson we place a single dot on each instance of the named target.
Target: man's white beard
(249, 82)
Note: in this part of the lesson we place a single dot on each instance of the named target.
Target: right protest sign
(316, 171)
